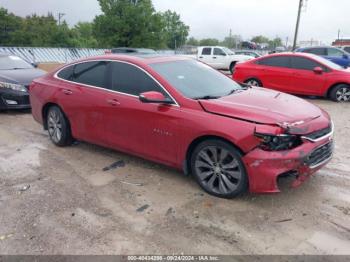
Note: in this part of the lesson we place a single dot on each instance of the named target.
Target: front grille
(319, 133)
(320, 155)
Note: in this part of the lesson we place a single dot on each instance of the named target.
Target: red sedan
(297, 73)
(182, 113)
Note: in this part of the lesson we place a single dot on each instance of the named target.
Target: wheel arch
(197, 141)
(329, 90)
(45, 110)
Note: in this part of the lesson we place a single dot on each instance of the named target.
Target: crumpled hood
(264, 106)
(20, 76)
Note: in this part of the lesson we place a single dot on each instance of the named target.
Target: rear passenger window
(66, 73)
(305, 64)
(206, 51)
(131, 80)
(335, 52)
(315, 51)
(276, 61)
(91, 73)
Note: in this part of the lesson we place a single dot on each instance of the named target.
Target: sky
(320, 20)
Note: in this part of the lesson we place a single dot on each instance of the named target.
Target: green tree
(209, 42)
(9, 23)
(192, 41)
(42, 31)
(260, 39)
(83, 36)
(275, 42)
(176, 32)
(231, 41)
(129, 23)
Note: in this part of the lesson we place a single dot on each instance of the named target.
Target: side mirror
(318, 70)
(35, 65)
(154, 97)
(345, 56)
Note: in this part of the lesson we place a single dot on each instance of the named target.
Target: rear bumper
(10, 99)
(264, 167)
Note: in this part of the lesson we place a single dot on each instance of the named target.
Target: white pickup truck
(220, 58)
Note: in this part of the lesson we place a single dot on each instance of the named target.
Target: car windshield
(328, 63)
(13, 62)
(196, 80)
(228, 51)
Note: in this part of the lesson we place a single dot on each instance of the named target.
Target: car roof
(138, 58)
(306, 55)
(313, 47)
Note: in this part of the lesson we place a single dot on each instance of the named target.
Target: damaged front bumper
(264, 167)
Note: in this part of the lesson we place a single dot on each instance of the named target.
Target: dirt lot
(59, 201)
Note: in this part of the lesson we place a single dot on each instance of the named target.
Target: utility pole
(339, 34)
(297, 25)
(60, 15)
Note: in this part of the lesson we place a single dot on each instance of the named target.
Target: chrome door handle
(113, 102)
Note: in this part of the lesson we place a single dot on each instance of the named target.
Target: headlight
(13, 86)
(278, 142)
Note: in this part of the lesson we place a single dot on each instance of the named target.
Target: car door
(338, 56)
(305, 79)
(81, 97)
(205, 55)
(275, 72)
(146, 129)
(219, 58)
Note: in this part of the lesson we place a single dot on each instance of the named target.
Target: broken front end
(299, 149)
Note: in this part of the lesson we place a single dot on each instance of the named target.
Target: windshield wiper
(206, 97)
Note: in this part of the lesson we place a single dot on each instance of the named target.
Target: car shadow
(16, 112)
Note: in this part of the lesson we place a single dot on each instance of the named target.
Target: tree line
(129, 23)
(122, 23)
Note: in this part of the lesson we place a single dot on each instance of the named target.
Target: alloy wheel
(253, 82)
(343, 94)
(218, 170)
(54, 126)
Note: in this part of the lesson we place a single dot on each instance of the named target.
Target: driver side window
(218, 51)
(131, 80)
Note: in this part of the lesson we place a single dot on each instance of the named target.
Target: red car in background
(182, 113)
(297, 73)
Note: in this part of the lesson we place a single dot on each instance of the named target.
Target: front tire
(340, 93)
(218, 168)
(58, 127)
(253, 82)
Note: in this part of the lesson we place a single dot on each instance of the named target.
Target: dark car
(15, 78)
(130, 50)
(336, 55)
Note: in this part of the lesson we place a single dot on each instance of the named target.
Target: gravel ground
(60, 201)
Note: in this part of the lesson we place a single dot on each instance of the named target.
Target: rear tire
(340, 93)
(58, 127)
(218, 168)
(253, 82)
